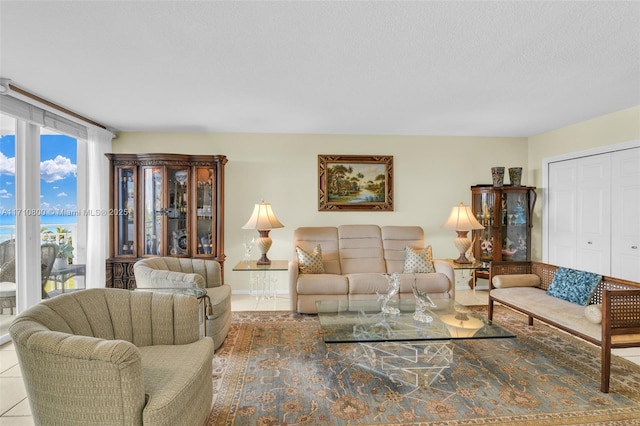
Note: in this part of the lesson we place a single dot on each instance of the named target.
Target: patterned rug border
(625, 374)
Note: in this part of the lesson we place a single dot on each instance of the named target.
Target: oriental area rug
(275, 369)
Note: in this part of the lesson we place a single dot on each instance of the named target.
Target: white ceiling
(350, 67)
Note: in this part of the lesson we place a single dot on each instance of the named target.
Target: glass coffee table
(412, 346)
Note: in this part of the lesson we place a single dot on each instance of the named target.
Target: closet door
(625, 203)
(594, 214)
(562, 213)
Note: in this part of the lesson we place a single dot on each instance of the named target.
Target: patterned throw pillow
(310, 263)
(574, 286)
(418, 261)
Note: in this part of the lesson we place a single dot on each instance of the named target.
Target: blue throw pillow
(574, 286)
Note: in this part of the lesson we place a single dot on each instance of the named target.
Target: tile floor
(14, 407)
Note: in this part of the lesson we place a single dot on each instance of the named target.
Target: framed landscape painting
(355, 182)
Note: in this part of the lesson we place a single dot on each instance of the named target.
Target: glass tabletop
(363, 321)
(476, 264)
(189, 291)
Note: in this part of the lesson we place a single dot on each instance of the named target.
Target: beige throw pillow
(516, 280)
(593, 313)
(418, 261)
(310, 263)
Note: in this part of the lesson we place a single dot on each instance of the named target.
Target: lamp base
(462, 243)
(264, 260)
(462, 259)
(264, 244)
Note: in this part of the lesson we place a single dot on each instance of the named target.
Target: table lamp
(263, 219)
(462, 221)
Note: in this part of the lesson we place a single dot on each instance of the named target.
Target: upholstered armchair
(172, 272)
(115, 357)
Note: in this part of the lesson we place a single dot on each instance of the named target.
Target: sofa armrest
(445, 268)
(293, 271)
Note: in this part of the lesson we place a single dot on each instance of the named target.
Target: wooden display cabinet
(164, 205)
(505, 212)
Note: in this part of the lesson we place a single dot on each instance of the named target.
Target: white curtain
(97, 185)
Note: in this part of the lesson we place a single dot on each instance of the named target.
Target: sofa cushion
(310, 262)
(395, 239)
(516, 280)
(173, 388)
(361, 249)
(367, 283)
(573, 285)
(418, 261)
(538, 302)
(430, 283)
(322, 284)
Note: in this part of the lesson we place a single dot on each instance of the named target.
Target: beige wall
(611, 129)
(431, 175)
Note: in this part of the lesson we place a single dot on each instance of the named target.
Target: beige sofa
(115, 357)
(171, 272)
(355, 257)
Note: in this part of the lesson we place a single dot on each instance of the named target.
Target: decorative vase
(515, 175)
(497, 173)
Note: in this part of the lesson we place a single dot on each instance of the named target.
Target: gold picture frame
(355, 182)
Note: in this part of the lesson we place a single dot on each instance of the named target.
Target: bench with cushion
(602, 310)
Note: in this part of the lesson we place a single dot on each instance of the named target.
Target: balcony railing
(53, 233)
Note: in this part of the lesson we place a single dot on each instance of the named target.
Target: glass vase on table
(248, 246)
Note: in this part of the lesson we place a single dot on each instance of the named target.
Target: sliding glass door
(38, 214)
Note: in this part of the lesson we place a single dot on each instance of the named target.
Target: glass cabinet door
(178, 199)
(126, 210)
(153, 211)
(204, 210)
(505, 213)
(514, 222)
(483, 204)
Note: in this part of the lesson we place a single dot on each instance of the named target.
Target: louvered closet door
(625, 194)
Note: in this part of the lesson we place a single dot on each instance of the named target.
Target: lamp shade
(462, 219)
(263, 218)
